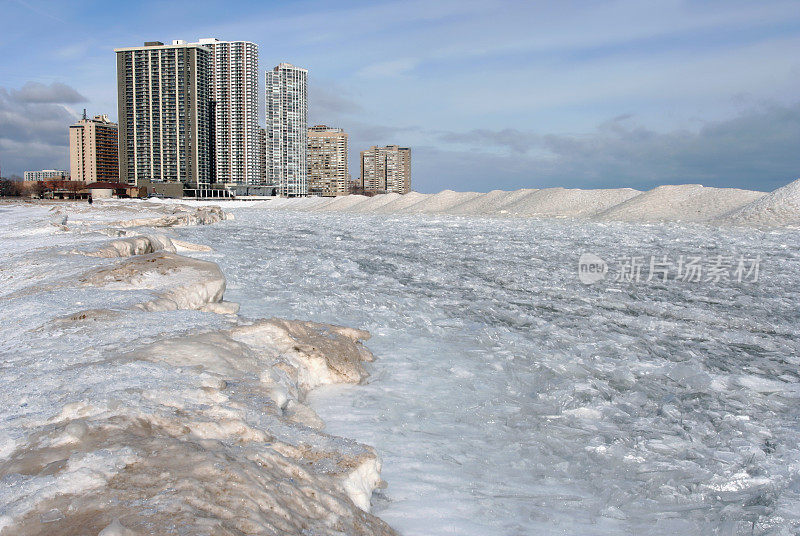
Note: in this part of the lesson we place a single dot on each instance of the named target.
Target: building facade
(386, 169)
(327, 161)
(233, 89)
(262, 148)
(46, 175)
(287, 129)
(165, 114)
(93, 150)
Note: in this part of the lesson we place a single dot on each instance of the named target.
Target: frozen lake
(509, 398)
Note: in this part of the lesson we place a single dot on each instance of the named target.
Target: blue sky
(488, 94)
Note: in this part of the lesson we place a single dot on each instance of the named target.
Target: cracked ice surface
(508, 398)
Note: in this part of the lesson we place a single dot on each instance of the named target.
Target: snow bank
(491, 203)
(344, 203)
(176, 282)
(157, 419)
(180, 216)
(777, 209)
(562, 202)
(374, 202)
(400, 203)
(128, 247)
(439, 203)
(685, 202)
(201, 453)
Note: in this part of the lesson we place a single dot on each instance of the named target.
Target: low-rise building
(47, 175)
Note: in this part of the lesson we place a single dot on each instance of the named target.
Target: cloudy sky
(488, 94)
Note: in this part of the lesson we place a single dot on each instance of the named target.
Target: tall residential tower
(286, 131)
(93, 150)
(386, 169)
(233, 89)
(165, 120)
(327, 161)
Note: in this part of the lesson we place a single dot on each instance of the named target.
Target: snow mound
(439, 203)
(779, 208)
(156, 419)
(374, 202)
(684, 202)
(313, 204)
(344, 203)
(128, 247)
(400, 203)
(182, 245)
(323, 354)
(176, 282)
(196, 454)
(181, 216)
(490, 203)
(562, 202)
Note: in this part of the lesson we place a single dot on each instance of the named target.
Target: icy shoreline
(129, 410)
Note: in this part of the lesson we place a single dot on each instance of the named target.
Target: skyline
(488, 94)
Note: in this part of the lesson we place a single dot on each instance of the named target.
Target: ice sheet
(509, 398)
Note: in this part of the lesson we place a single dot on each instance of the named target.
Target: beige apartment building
(93, 150)
(386, 169)
(327, 161)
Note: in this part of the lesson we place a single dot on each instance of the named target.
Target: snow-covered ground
(507, 397)
(133, 401)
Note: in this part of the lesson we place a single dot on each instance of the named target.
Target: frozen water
(508, 398)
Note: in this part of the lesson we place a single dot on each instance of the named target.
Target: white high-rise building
(233, 89)
(287, 129)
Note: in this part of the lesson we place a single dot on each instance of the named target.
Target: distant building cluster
(189, 125)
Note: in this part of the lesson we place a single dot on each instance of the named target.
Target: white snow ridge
(686, 202)
(127, 410)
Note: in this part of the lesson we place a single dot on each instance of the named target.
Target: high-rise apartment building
(327, 161)
(287, 129)
(93, 153)
(233, 88)
(165, 116)
(386, 169)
